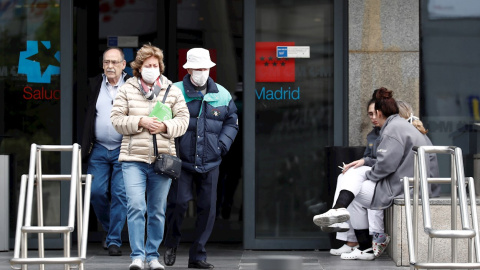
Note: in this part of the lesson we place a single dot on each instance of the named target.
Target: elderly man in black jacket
(101, 147)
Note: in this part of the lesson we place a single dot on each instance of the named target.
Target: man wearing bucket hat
(212, 129)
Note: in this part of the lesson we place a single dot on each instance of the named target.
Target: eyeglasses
(114, 62)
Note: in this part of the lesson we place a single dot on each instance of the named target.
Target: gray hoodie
(395, 160)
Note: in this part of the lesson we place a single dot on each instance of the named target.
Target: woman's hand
(153, 125)
(354, 164)
(158, 127)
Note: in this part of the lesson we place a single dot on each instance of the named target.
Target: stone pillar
(384, 50)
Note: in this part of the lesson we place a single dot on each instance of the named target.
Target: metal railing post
(415, 203)
(76, 204)
(420, 183)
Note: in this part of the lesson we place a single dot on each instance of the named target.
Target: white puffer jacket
(130, 105)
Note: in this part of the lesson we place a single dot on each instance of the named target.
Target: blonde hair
(147, 51)
(406, 111)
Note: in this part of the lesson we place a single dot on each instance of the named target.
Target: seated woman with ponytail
(394, 160)
(406, 111)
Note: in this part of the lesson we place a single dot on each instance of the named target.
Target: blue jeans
(104, 166)
(139, 178)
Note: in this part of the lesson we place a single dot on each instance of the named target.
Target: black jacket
(212, 128)
(88, 138)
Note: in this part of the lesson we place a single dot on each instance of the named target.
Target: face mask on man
(200, 77)
(149, 75)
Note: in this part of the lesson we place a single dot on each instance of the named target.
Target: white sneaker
(337, 227)
(357, 254)
(155, 265)
(343, 249)
(332, 216)
(137, 264)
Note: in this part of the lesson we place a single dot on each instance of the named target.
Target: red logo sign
(269, 68)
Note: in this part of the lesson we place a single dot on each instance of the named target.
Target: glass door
(174, 27)
(293, 99)
(450, 96)
(147, 23)
(30, 100)
(217, 26)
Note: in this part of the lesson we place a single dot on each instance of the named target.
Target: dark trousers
(181, 192)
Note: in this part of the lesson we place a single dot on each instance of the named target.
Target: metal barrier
(35, 179)
(4, 200)
(420, 183)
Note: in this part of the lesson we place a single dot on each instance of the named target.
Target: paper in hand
(161, 111)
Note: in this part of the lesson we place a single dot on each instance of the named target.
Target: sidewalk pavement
(222, 256)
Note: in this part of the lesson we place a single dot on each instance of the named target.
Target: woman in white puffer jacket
(133, 103)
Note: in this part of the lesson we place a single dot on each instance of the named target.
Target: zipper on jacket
(196, 137)
(129, 144)
(150, 150)
(196, 142)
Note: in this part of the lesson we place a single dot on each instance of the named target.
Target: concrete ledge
(395, 226)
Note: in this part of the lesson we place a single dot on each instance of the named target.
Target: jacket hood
(389, 119)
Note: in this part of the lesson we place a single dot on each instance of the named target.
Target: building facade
(293, 110)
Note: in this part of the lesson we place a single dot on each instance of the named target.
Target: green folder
(161, 111)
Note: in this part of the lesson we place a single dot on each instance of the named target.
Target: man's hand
(354, 164)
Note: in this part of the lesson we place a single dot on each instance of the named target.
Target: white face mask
(200, 77)
(149, 75)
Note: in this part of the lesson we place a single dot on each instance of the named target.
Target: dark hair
(370, 102)
(385, 102)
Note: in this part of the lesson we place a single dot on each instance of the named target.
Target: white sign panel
(453, 9)
(293, 51)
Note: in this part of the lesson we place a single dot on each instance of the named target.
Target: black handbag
(166, 164)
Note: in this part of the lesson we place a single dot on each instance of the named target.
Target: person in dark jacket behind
(101, 147)
(211, 131)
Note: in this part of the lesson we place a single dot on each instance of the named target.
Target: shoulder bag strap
(155, 150)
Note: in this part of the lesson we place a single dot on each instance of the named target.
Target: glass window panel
(450, 64)
(294, 116)
(30, 94)
(217, 25)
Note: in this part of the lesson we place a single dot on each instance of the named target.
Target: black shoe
(169, 256)
(200, 265)
(114, 250)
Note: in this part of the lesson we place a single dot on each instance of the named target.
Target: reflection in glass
(217, 25)
(450, 93)
(294, 115)
(30, 94)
